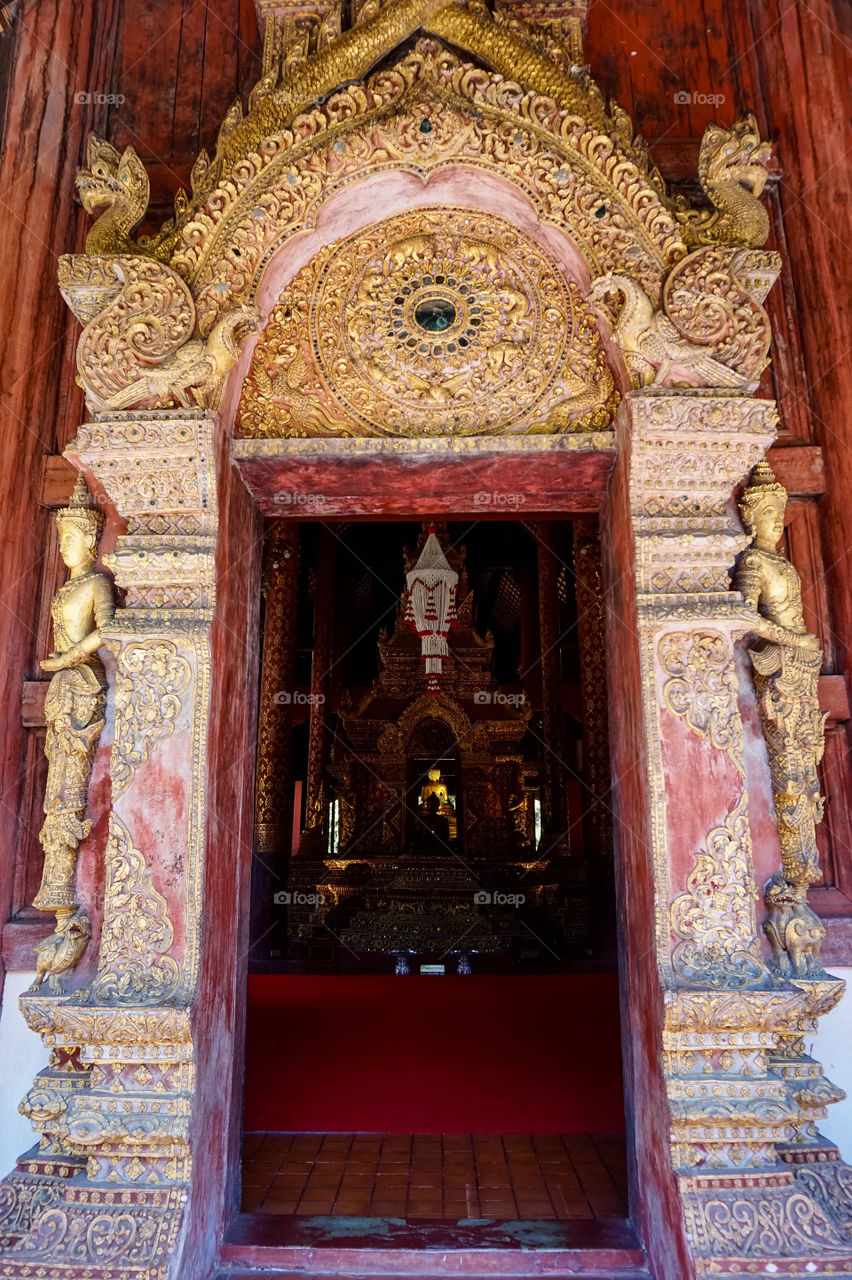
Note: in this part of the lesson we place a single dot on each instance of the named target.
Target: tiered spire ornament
(431, 606)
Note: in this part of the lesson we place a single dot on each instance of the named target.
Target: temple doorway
(433, 910)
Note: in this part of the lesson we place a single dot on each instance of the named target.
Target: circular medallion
(450, 322)
(437, 321)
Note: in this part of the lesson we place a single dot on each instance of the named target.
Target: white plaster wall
(22, 1054)
(832, 1046)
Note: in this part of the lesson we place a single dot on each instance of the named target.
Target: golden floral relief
(149, 681)
(702, 687)
(435, 322)
(134, 965)
(715, 918)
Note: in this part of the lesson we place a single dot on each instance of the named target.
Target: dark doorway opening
(441, 918)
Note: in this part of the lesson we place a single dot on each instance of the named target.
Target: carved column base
(766, 1223)
(47, 1102)
(116, 1201)
(77, 1230)
(129, 1123)
(827, 1179)
(762, 1191)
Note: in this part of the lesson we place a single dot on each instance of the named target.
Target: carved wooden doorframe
(140, 1108)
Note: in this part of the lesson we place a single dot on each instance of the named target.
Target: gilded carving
(150, 678)
(732, 169)
(134, 964)
(138, 348)
(73, 711)
(714, 299)
(714, 919)
(273, 769)
(786, 676)
(434, 322)
(653, 349)
(566, 167)
(22, 1199)
(114, 187)
(536, 119)
(711, 330)
(702, 688)
(763, 1225)
(91, 1229)
(62, 951)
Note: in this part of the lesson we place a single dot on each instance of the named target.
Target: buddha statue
(435, 786)
(433, 829)
(73, 711)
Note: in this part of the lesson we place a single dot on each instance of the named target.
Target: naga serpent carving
(115, 188)
(732, 170)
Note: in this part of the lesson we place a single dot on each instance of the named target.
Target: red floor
(503, 1054)
(450, 1176)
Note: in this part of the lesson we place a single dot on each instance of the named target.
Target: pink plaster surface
(702, 787)
(91, 863)
(155, 810)
(761, 810)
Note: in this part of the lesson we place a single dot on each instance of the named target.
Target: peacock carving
(653, 349)
(195, 372)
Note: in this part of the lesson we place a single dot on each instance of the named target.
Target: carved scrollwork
(149, 681)
(21, 1201)
(715, 919)
(714, 300)
(767, 1226)
(433, 322)
(86, 1230)
(134, 966)
(139, 349)
(565, 165)
(702, 688)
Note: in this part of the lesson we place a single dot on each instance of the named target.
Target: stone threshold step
(392, 1248)
(264, 1273)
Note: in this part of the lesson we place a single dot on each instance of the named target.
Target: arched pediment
(332, 125)
(428, 112)
(431, 707)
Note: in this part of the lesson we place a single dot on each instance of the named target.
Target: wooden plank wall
(178, 64)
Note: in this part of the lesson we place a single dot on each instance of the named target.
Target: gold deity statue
(435, 786)
(73, 712)
(786, 676)
(766, 578)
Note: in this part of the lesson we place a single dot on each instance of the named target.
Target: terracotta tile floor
(577, 1175)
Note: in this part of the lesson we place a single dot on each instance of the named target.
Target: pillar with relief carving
(322, 662)
(273, 802)
(554, 747)
(696, 840)
(591, 636)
